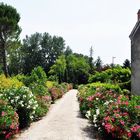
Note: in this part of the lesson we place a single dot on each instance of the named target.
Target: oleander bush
(9, 124)
(114, 114)
(24, 102)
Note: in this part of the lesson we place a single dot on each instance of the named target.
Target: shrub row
(24, 99)
(114, 115)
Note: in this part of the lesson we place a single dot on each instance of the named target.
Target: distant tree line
(41, 49)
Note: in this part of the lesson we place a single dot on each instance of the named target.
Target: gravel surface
(63, 122)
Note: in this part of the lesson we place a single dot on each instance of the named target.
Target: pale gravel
(63, 122)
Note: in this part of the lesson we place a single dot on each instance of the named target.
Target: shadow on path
(88, 130)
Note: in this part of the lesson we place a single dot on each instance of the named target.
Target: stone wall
(135, 63)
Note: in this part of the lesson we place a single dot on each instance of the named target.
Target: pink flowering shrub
(9, 124)
(122, 118)
(114, 115)
(59, 90)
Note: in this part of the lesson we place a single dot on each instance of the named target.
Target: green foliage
(9, 82)
(98, 64)
(8, 120)
(38, 74)
(102, 77)
(125, 85)
(24, 102)
(118, 75)
(1, 71)
(14, 58)
(40, 50)
(50, 84)
(127, 64)
(59, 68)
(37, 81)
(106, 86)
(77, 69)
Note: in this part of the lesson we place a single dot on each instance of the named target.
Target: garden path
(63, 122)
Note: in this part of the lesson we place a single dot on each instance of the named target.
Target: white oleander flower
(34, 107)
(35, 102)
(97, 111)
(30, 95)
(95, 125)
(111, 101)
(12, 101)
(97, 99)
(28, 106)
(33, 112)
(94, 118)
(99, 128)
(106, 103)
(31, 117)
(21, 102)
(88, 114)
(24, 96)
(11, 93)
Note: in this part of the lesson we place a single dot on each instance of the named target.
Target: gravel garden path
(63, 122)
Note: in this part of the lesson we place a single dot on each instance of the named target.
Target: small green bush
(106, 86)
(125, 85)
(99, 77)
(116, 75)
(9, 82)
(37, 81)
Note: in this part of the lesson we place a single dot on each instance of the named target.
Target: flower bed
(113, 114)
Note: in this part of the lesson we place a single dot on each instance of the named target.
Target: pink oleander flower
(107, 118)
(3, 113)
(138, 106)
(109, 127)
(90, 98)
(8, 135)
(125, 114)
(117, 115)
(122, 122)
(135, 128)
(12, 126)
(129, 134)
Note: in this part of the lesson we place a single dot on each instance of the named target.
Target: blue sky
(103, 24)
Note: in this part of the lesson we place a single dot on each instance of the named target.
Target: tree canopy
(9, 30)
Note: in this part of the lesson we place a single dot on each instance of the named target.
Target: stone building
(135, 57)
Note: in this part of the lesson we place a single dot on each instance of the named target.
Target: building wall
(135, 63)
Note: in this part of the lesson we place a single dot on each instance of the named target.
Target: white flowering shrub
(24, 102)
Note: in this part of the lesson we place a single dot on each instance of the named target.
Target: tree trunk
(5, 68)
